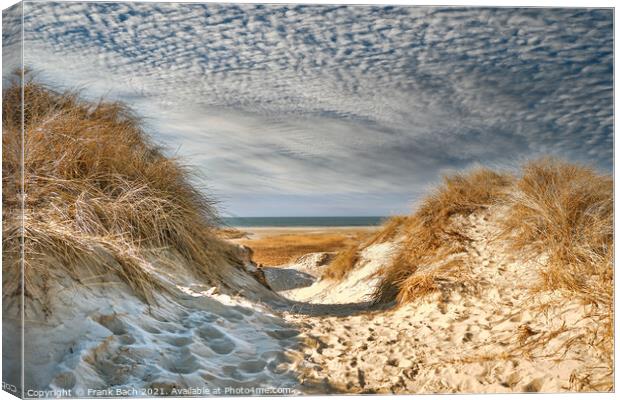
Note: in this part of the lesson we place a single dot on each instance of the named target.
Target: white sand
(356, 288)
(100, 336)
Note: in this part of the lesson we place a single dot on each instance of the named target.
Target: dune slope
(126, 284)
(501, 283)
(490, 333)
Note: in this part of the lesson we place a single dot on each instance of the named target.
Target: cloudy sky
(325, 110)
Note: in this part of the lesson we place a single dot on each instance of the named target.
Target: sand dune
(494, 336)
(326, 338)
(128, 287)
(100, 336)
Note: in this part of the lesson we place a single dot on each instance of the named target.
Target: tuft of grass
(565, 212)
(98, 194)
(346, 258)
(555, 213)
(430, 246)
(343, 263)
(390, 230)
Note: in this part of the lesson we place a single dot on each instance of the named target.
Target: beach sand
(259, 232)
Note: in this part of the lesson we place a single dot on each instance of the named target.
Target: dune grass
(562, 213)
(428, 238)
(346, 258)
(557, 214)
(343, 263)
(430, 244)
(565, 212)
(99, 193)
(554, 209)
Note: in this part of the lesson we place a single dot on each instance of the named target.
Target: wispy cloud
(278, 104)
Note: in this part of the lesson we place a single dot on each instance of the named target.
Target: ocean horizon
(247, 222)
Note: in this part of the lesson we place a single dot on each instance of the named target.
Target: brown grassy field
(100, 194)
(277, 248)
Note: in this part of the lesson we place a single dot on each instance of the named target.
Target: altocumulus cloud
(325, 110)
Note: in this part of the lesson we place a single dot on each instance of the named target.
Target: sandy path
(488, 335)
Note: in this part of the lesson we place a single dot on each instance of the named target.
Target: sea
(302, 221)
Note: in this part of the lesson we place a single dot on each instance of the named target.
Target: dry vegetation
(346, 258)
(558, 210)
(565, 212)
(429, 240)
(99, 195)
(280, 249)
(555, 214)
(343, 262)
(431, 246)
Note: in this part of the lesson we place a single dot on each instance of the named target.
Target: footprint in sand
(208, 317)
(65, 380)
(232, 371)
(113, 323)
(233, 316)
(222, 345)
(252, 366)
(278, 368)
(178, 341)
(127, 339)
(151, 329)
(534, 386)
(516, 317)
(272, 355)
(245, 310)
(208, 332)
(183, 363)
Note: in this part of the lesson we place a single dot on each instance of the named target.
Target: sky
(339, 110)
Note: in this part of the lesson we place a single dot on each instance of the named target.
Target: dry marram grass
(562, 214)
(98, 193)
(558, 210)
(346, 258)
(565, 212)
(430, 247)
(555, 214)
(429, 242)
